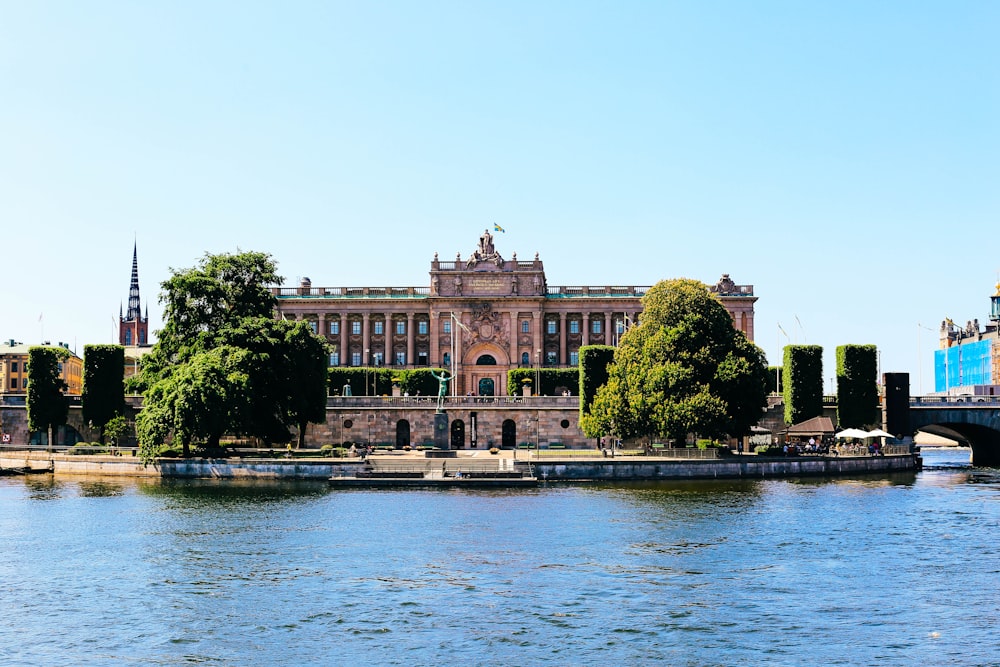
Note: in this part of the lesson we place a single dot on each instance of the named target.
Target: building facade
(480, 317)
(14, 369)
(967, 360)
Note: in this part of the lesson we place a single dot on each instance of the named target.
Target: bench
(526, 445)
(556, 445)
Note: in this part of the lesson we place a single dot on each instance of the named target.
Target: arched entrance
(458, 434)
(488, 362)
(402, 433)
(508, 434)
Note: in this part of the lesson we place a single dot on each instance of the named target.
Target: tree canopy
(683, 369)
(46, 403)
(222, 364)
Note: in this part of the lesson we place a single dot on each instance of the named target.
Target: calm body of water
(875, 571)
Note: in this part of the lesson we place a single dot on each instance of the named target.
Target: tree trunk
(302, 434)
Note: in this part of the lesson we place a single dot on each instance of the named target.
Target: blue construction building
(968, 359)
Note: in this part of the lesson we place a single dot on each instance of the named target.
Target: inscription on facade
(486, 285)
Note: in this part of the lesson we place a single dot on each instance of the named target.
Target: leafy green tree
(305, 377)
(46, 402)
(223, 364)
(802, 382)
(116, 429)
(857, 391)
(103, 396)
(683, 369)
(594, 362)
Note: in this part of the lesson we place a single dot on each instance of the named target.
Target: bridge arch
(977, 422)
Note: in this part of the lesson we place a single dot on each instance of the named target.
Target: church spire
(133, 328)
(134, 310)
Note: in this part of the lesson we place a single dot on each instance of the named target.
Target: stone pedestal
(441, 439)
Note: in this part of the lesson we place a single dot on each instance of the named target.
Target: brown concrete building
(479, 316)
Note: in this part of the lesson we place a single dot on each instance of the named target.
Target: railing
(563, 292)
(350, 292)
(429, 402)
(968, 401)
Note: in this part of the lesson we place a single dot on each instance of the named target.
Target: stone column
(608, 339)
(344, 351)
(411, 340)
(366, 339)
(434, 354)
(514, 331)
(387, 357)
(536, 348)
(562, 339)
(586, 329)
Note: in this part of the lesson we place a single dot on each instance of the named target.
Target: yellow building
(14, 369)
(480, 317)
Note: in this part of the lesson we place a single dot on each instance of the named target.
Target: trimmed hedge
(594, 361)
(803, 382)
(857, 389)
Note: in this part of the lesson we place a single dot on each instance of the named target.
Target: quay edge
(553, 470)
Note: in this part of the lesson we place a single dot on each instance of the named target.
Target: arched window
(525, 359)
(486, 360)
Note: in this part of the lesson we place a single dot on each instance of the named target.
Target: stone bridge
(974, 419)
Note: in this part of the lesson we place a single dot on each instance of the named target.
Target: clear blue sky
(842, 157)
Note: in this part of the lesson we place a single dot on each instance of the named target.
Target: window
(355, 358)
(525, 326)
(335, 359)
(447, 326)
(314, 325)
(550, 326)
(13, 383)
(334, 327)
(422, 327)
(525, 359)
(378, 359)
(574, 326)
(401, 358)
(400, 327)
(379, 327)
(446, 361)
(356, 327)
(128, 336)
(550, 358)
(620, 326)
(595, 327)
(13, 367)
(574, 358)
(24, 383)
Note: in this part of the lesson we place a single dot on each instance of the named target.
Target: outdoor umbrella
(879, 433)
(853, 433)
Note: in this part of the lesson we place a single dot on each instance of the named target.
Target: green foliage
(116, 429)
(103, 396)
(683, 369)
(857, 389)
(373, 381)
(47, 406)
(550, 380)
(802, 377)
(594, 362)
(223, 364)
